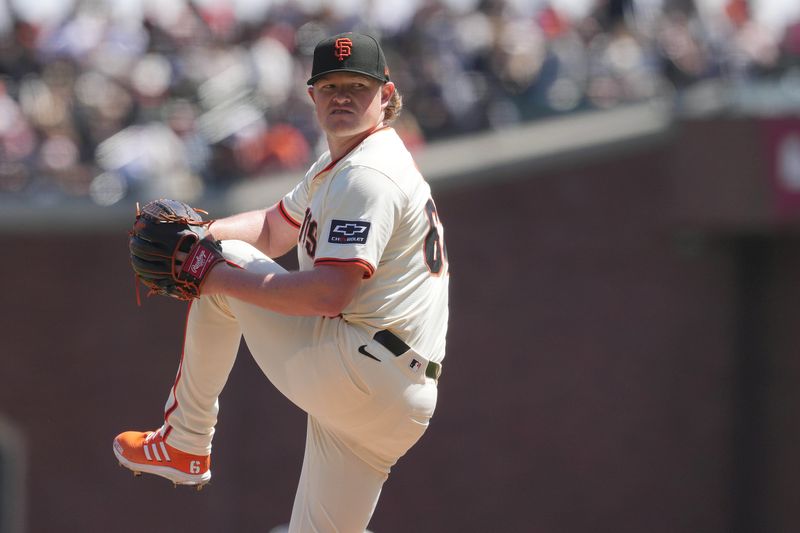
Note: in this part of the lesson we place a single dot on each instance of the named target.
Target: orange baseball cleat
(148, 452)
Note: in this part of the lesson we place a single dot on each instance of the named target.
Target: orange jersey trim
(361, 140)
(369, 270)
(282, 210)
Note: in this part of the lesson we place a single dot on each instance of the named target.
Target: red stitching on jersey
(366, 265)
(282, 210)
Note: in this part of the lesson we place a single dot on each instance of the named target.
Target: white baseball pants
(363, 415)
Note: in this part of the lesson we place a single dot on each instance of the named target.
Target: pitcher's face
(349, 104)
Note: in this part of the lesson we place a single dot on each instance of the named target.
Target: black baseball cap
(349, 52)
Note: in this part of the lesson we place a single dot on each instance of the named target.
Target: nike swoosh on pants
(362, 350)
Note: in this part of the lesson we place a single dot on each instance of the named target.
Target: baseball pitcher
(355, 338)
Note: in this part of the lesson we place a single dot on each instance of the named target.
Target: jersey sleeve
(359, 218)
(293, 205)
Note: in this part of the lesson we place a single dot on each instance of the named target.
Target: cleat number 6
(194, 467)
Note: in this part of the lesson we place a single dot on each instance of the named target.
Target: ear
(311, 93)
(387, 90)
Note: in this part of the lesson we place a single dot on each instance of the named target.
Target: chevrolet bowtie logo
(348, 230)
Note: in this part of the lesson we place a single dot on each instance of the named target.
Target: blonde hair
(394, 107)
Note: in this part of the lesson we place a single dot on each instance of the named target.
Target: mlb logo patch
(348, 232)
(415, 365)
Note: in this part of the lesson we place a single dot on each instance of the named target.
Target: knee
(248, 257)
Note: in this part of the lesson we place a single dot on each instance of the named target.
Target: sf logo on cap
(342, 48)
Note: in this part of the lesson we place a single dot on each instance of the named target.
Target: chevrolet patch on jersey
(348, 232)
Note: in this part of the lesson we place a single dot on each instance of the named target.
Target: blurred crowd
(105, 100)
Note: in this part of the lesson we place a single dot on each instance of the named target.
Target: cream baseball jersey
(373, 208)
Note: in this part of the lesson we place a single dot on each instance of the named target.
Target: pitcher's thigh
(300, 355)
(338, 491)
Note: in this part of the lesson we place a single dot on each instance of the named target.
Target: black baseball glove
(162, 230)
